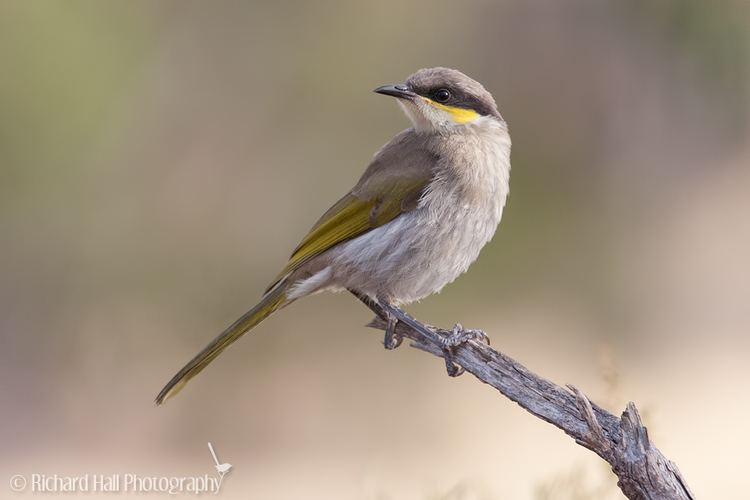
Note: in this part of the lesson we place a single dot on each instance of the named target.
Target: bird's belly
(416, 254)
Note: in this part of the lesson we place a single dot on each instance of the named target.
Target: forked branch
(642, 470)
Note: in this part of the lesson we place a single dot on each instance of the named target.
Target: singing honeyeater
(417, 218)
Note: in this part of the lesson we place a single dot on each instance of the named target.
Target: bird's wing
(391, 185)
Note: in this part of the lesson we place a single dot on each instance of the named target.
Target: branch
(643, 472)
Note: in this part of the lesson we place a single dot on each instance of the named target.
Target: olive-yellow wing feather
(391, 185)
(353, 216)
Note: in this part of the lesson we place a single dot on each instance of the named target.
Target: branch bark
(642, 471)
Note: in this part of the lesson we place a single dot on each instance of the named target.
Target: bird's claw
(452, 368)
(392, 339)
(458, 335)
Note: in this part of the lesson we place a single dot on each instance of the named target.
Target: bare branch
(643, 472)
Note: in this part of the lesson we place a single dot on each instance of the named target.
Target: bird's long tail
(272, 301)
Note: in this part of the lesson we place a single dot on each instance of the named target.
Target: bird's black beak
(401, 91)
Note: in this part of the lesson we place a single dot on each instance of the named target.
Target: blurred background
(159, 161)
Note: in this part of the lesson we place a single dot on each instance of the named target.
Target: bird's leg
(447, 343)
(392, 339)
(393, 315)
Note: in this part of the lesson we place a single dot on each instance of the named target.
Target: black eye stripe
(458, 98)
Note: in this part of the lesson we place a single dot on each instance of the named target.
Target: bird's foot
(457, 336)
(392, 339)
(460, 335)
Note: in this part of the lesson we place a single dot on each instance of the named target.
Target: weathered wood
(642, 470)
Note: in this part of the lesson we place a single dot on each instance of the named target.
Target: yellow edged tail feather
(271, 302)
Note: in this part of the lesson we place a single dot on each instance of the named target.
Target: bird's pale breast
(421, 251)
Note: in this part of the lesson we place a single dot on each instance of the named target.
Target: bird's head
(443, 99)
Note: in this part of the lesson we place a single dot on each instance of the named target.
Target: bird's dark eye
(442, 95)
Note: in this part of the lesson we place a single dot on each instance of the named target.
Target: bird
(426, 204)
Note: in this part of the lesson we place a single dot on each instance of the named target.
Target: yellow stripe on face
(459, 115)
